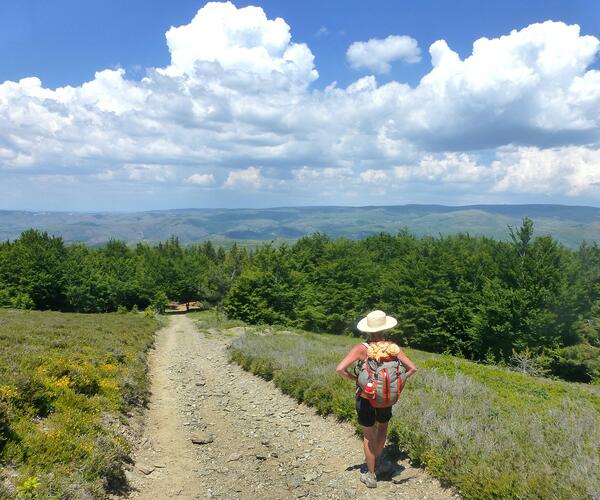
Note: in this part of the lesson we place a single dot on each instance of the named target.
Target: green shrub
(159, 302)
(22, 301)
(122, 310)
(4, 423)
(63, 379)
(4, 297)
(579, 363)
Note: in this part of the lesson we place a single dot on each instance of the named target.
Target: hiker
(372, 412)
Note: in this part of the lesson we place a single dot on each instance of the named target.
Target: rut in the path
(262, 443)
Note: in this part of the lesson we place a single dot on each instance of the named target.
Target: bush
(22, 301)
(579, 363)
(63, 379)
(4, 424)
(159, 302)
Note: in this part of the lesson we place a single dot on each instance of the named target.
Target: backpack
(387, 377)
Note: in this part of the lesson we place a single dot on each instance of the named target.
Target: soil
(213, 430)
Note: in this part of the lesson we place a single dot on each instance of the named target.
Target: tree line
(528, 301)
(38, 271)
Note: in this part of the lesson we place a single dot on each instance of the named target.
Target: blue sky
(122, 120)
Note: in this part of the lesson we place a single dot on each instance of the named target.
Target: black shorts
(367, 415)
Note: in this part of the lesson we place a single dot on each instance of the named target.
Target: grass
(67, 382)
(209, 318)
(492, 432)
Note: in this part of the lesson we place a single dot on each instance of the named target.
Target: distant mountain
(568, 224)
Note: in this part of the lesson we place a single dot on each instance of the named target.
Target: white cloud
(377, 54)
(372, 176)
(150, 173)
(308, 174)
(322, 31)
(237, 94)
(249, 177)
(105, 175)
(449, 167)
(571, 170)
(201, 179)
(238, 40)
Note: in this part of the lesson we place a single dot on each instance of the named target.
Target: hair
(377, 336)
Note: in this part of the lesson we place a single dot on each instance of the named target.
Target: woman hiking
(372, 414)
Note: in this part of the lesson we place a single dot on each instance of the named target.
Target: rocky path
(215, 431)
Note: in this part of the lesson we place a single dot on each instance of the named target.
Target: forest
(527, 302)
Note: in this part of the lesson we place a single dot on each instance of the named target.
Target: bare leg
(370, 446)
(381, 436)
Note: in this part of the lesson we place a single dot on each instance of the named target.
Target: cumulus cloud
(571, 170)
(378, 54)
(373, 176)
(249, 177)
(238, 40)
(520, 114)
(448, 168)
(150, 173)
(201, 179)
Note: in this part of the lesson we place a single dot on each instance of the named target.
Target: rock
(261, 456)
(294, 482)
(203, 439)
(160, 466)
(145, 468)
(265, 442)
(311, 476)
(233, 457)
(405, 475)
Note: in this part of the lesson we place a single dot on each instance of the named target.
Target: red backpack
(381, 381)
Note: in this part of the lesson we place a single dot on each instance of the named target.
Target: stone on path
(145, 468)
(202, 439)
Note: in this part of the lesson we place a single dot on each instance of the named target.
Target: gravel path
(250, 439)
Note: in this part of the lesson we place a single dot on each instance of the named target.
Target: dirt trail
(262, 443)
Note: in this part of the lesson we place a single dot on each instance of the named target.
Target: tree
(34, 266)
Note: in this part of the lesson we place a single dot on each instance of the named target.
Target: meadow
(68, 383)
(490, 431)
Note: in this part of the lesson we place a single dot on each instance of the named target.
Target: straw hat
(376, 321)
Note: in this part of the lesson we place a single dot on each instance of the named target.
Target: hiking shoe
(369, 479)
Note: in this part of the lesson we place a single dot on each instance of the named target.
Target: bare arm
(356, 353)
(405, 360)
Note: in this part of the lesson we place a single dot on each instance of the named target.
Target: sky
(147, 105)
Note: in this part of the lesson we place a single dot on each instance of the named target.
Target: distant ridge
(568, 224)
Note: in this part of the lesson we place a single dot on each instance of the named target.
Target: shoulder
(359, 349)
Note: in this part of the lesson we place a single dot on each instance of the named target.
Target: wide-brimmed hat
(376, 321)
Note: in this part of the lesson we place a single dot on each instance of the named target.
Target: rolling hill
(568, 224)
